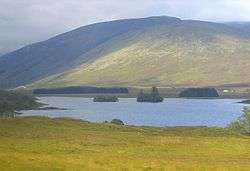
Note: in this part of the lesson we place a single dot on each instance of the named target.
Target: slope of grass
(159, 51)
(65, 51)
(186, 53)
(37, 143)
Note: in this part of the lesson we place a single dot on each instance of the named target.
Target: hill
(161, 51)
(245, 26)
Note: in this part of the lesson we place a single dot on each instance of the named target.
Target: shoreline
(133, 96)
(108, 122)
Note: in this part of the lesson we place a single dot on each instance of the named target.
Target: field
(39, 143)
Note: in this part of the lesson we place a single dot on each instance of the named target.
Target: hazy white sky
(26, 21)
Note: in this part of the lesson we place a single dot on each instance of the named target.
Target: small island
(153, 97)
(106, 99)
(199, 93)
(245, 102)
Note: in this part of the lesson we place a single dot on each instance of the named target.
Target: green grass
(189, 54)
(158, 53)
(39, 143)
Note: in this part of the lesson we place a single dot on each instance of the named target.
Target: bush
(6, 107)
(242, 124)
(11, 101)
(117, 122)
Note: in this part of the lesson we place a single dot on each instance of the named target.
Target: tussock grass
(40, 143)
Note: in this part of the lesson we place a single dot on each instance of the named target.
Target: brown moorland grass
(39, 143)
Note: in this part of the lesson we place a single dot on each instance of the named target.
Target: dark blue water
(172, 112)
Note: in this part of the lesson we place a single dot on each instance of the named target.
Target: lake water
(172, 112)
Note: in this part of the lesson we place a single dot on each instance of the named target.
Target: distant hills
(155, 51)
(245, 26)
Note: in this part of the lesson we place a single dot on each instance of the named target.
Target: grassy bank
(38, 143)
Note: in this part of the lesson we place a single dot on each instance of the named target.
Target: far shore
(134, 96)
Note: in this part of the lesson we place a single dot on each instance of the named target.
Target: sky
(27, 21)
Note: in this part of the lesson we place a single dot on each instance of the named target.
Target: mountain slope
(160, 51)
(244, 26)
(184, 53)
(65, 51)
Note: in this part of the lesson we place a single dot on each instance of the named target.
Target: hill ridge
(122, 52)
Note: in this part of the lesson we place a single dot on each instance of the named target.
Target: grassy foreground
(38, 143)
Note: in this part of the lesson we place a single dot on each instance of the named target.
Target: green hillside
(66, 51)
(183, 53)
(155, 51)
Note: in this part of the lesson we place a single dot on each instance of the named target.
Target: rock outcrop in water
(106, 99)
(245, 102)
(117, 122)
(153, 97)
